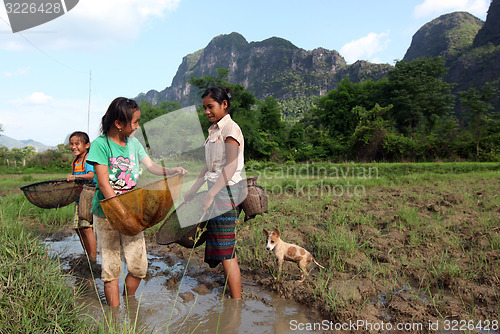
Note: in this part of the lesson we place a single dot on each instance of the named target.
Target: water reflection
(167, 302)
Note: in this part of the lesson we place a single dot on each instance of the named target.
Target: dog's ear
(266, 232)
(276, 232)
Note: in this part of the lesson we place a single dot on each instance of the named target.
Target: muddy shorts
(77, 222)
(111, 244)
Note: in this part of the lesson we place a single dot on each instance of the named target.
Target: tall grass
(35, 296)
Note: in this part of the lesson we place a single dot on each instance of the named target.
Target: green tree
(477, 107)
(334, 110)
(295, 136)
(16, 154)
(367, 139)
(270, 120)
(4, 153)
(418, 93)
(244, 111)
(444, 139)
(149, 112)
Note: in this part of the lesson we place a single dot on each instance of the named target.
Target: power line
(40, 50)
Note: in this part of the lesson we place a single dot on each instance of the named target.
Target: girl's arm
(103, 180)
(88, 176)
(197, 185)
(232, 148)
(157, 169)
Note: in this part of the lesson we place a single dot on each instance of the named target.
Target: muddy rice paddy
(423, 258)
(169, 300)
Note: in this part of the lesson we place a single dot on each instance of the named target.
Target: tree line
(411, 115)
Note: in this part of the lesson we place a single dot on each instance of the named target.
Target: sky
(61, 76)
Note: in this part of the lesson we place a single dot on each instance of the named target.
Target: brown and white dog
(288, 252)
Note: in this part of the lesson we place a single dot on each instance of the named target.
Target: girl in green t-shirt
(116, 155)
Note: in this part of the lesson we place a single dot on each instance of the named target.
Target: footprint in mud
(202, 289)
(186, 296)
(80, 266)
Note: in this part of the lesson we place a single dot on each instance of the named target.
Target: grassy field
(35, 296)
(407, 242)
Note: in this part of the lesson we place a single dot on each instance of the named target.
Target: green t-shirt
(123, 165)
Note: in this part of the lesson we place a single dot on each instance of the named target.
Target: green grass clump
(35, 297)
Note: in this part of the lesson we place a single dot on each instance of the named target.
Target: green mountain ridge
(294, 76)
(273, 67)
(469, 46)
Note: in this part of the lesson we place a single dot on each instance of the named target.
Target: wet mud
(181, 294)
(426, 286)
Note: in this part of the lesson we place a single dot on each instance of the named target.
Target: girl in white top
(224, 149)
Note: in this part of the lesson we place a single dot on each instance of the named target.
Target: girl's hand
(207, 201)
(179, 170)
(70, 178)
(189, 195)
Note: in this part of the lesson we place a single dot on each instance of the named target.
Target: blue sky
(133, 46)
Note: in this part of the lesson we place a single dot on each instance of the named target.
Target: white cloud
(91, 24)
(365, 47)
(49, 123)
(12, 46)
(20, 71)
(35, 98)
(434, 7)
(39, 98)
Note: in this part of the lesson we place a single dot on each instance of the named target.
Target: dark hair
(121, 109)
(219, 94)
(82, 135)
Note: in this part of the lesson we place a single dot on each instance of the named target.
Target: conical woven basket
(171, 230)
(255, 202)
(141, 208)
(54, 193)
(85, 204)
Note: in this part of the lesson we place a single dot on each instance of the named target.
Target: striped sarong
(220, 244)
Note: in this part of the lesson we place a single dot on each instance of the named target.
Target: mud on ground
(438, 264)
(396, 276)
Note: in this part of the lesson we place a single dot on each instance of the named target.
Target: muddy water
(169, 300)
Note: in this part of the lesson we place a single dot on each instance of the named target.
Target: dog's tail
(319, 265)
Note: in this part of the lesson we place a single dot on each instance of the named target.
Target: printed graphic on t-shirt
(124, 173)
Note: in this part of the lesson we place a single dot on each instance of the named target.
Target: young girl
(116, 156)
(79, 144)
(224, 164)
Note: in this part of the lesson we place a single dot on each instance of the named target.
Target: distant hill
(469, 46)
(490, 32)
(11, 143)
(275, 67)
(447, 36)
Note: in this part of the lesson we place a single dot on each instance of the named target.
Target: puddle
(167, 302)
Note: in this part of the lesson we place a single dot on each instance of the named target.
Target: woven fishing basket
(255, 202)
(54, 193)
(85, 204)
